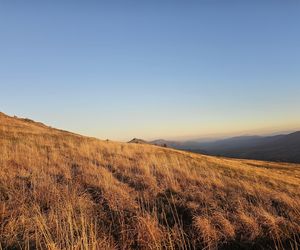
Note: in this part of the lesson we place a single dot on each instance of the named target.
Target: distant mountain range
(284, 148)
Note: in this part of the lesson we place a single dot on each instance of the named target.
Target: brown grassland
(60, 190)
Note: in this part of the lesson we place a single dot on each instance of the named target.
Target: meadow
(59, 190)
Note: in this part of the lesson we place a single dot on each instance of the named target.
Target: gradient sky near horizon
(152, 69)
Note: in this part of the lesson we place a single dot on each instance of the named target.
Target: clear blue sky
(152, 69)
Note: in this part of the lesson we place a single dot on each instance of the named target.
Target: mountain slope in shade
(60, 190)
(284, 148)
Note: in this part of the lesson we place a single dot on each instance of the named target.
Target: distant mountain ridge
(283, 148)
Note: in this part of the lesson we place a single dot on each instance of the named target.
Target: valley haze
(280, 147)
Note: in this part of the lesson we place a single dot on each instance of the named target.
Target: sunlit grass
(63, 191)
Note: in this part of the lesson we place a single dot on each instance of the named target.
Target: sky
(152, 69)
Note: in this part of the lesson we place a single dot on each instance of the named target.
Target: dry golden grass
(59, 190)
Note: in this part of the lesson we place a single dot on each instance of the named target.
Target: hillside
(59, 190)
(138, 141)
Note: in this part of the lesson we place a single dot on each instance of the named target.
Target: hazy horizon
(199, 137)
(169, 70)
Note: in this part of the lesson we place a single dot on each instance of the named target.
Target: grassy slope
(60, 190)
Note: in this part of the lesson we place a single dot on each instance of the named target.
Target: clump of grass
(59, 190)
